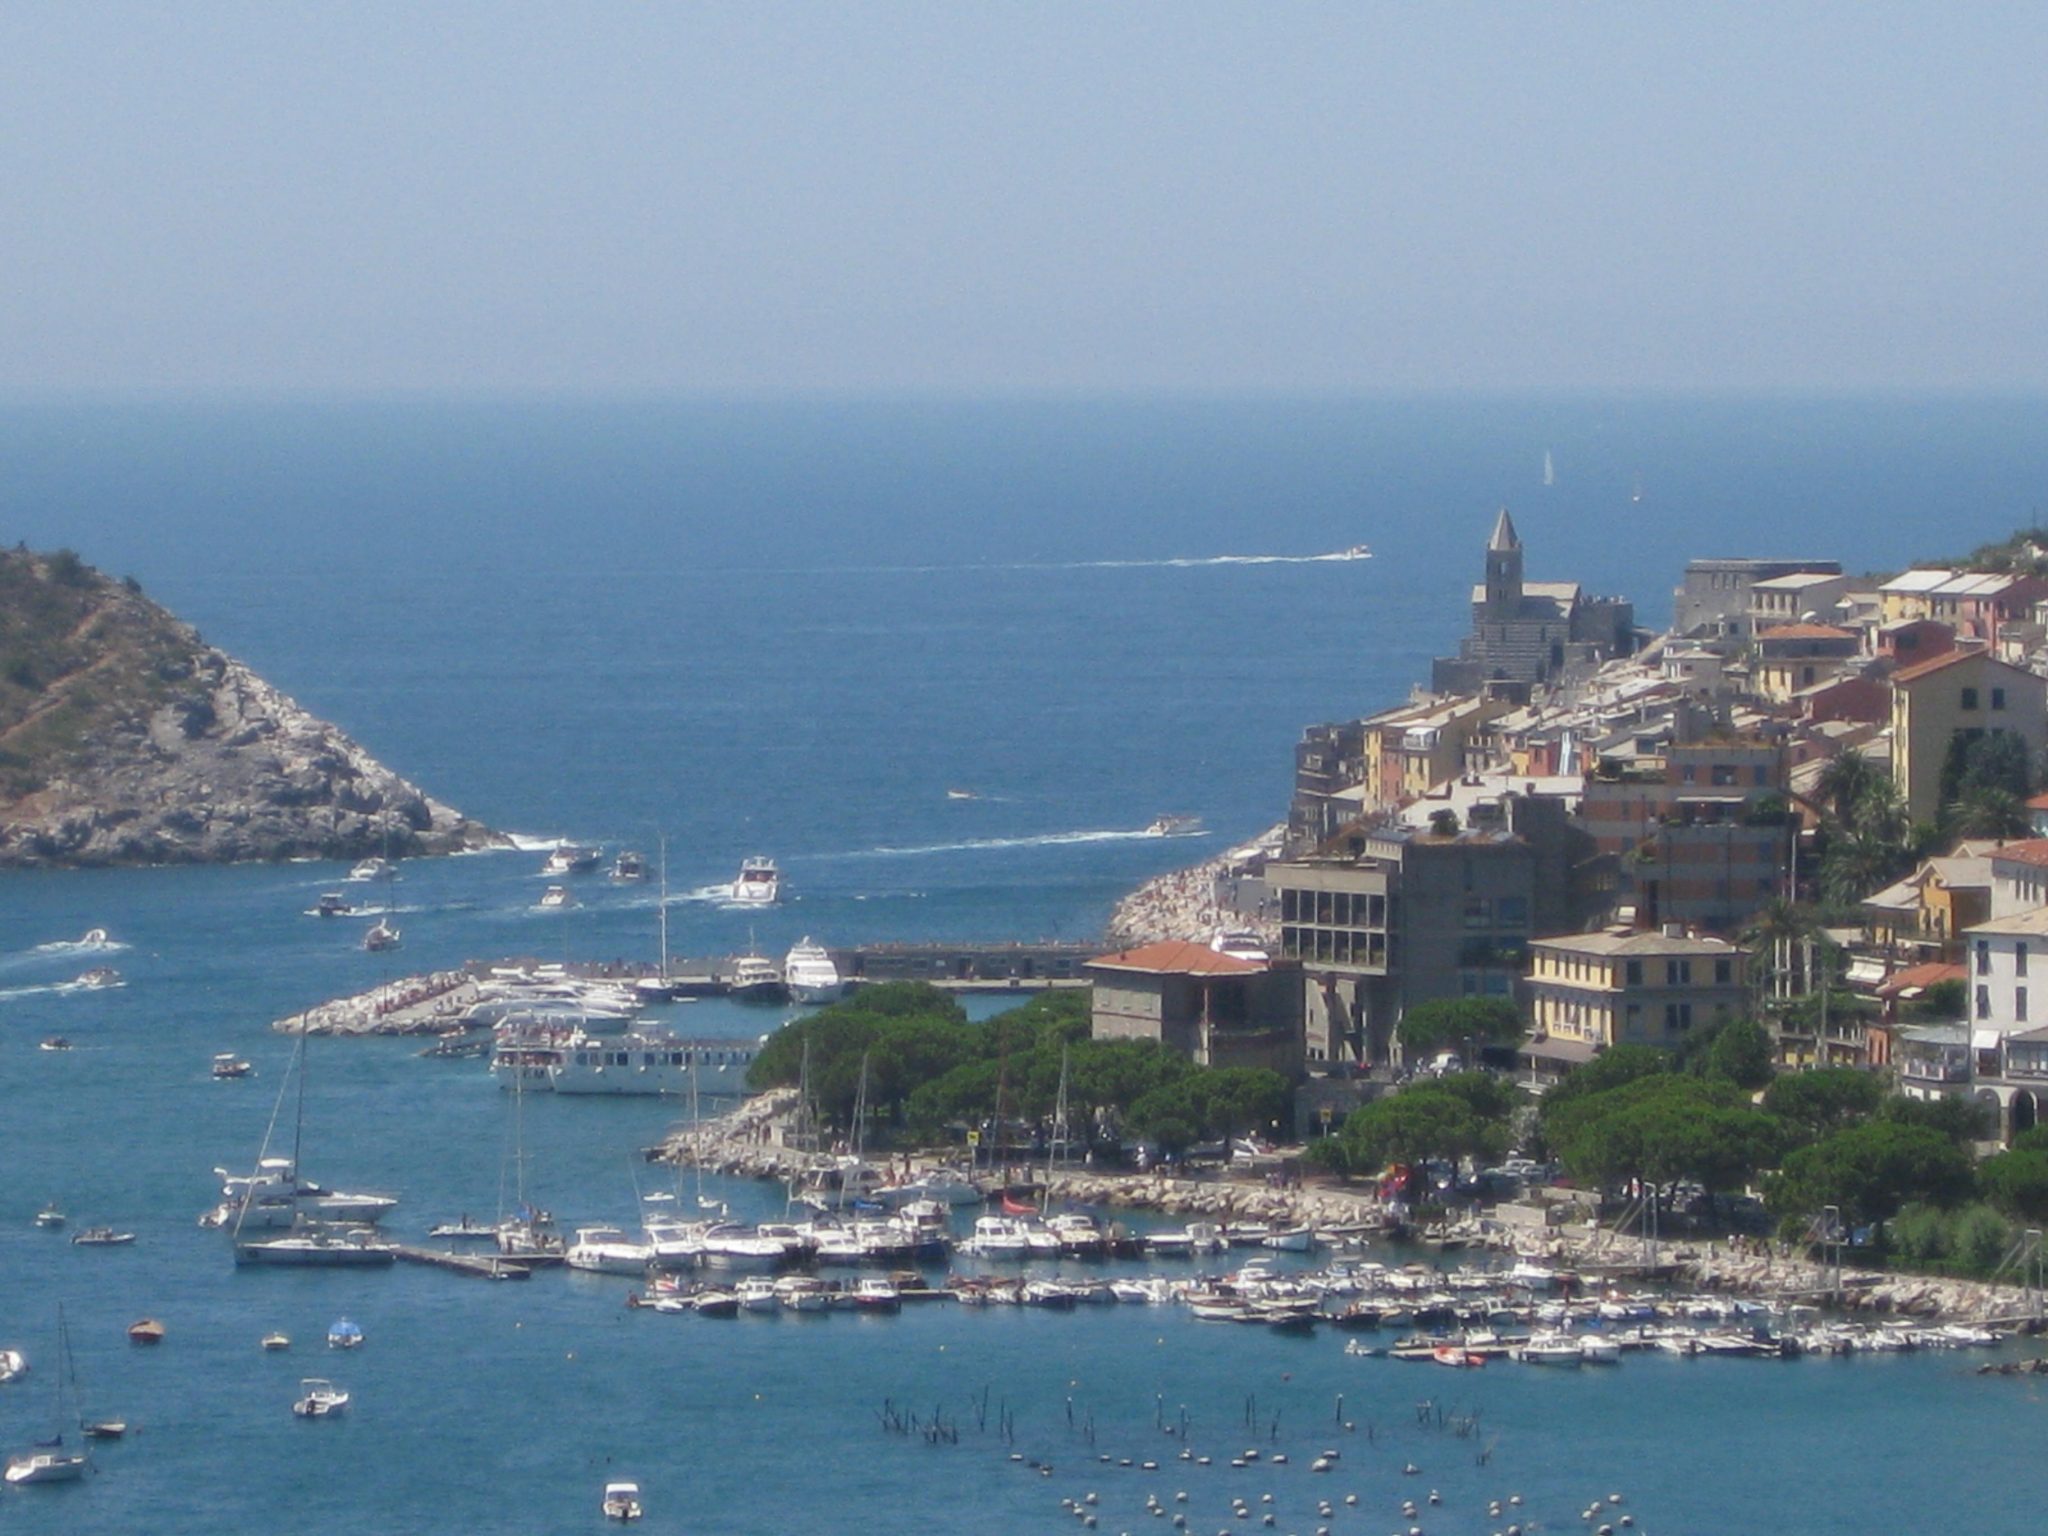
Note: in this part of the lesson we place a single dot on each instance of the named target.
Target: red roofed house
(1966, 693)
(1217, 1009)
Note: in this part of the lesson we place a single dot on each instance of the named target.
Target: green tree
(2017, 1183)
(1869, 1171)
(1814, 1103)
(1415, 1125)
(1446, 1024)
(1742, 1054)
(1962, 1121)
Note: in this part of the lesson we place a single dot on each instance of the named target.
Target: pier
(480, 1266)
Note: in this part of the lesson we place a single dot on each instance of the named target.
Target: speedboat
(374, 869)
(1174, 826)
(102, 1237)
(319, 1398)
(759, 883)
(99, 976)
(54, 1043)
(810, 974)
(382, 936)
(569, 859)
(622, 1501)
(13, 1365)
(276, 1341)
(50, 1217)
(227, 1064)
(556, 897)
(330, 904)
(607, 1251)
(145, 1330)
(754, 979)
(344, 1334)
(629, 866)
(95, 938)
(1551, 1349)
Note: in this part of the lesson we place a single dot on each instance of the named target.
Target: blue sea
(790, 629)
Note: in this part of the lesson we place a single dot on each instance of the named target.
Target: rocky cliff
(126, 739)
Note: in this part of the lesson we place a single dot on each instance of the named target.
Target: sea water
(791, 630)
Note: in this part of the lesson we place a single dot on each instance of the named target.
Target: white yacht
(622, 1501)
(1174, 826)
(759, 883)
(755, 979)
(374, 869)
(315, 1245)
(381, 937)
(556, 897)
(569, 859)
(608, 1251)
(810, 975)
(275, 1196)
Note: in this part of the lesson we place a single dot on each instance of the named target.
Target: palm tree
(1773, 936)
(1845, 782)
(1987, 812)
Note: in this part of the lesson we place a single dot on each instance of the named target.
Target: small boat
(572, 859)
(343, 1334)
(755, 979)
(382, 936)
(810, 975)
(103, 1429)
(330, 904)
(95, 938)
(227, 1064)
(555, 898)
(102, 1237)
(1456, 1355)
(374, 869)
(1174, 826)
(99, 977)
(273, 1342)
(1596, 1349)
(146, 1331)
(629, 866)
(319, 1398)
(715, 1304)
(877, 1293)
(465, 1231)
(622, 1501)
(313, 1245)
(962, 794)
(54, 1043)
(49, 1462)
(759, 883)
(13, 1365)
(50, 1218)
(1551, 1349)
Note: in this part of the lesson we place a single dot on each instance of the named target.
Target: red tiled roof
(1921, 976)
(1179, 959)
(2033, 850)
(1805, 632)
(1921, 669)
(2037, 802)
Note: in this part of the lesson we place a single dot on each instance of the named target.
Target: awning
(1985, 1039)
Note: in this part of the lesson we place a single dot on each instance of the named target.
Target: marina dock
(479, 1266)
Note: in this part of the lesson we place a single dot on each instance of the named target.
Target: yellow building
(1966, 692)
(1628, 988)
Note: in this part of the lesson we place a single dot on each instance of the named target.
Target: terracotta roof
(1921, 976)
(2032, 851)
(1804, 631)
(1919, 670)
(1177, 959)
(2037, 802)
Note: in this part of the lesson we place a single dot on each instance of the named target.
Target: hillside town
(1810, 803)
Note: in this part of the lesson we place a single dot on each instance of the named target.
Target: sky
(969, 199)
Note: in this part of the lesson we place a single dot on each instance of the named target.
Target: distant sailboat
(1549, 469)
(1637, 493)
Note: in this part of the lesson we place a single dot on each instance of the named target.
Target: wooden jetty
(480, 1266)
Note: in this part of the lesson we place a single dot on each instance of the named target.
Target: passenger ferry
(624, 1064)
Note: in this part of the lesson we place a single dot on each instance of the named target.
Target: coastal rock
(126, 739)
(1182, 905)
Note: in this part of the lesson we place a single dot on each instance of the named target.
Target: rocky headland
(1182, 904)
(126, 739)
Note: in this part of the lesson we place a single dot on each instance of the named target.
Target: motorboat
(13, 1365)
(94, 938)
(227, 1065)
(54, 1043)
(607, 1251)
(756, 1293)
(100, 976)
(319, 1398)
(273, 1342)
(555, 898)
(276, 1196)
(145, 1330)
(755, 979)
(877, 1293)
(1174, 826)
(344, 1334)
(49, 1218)
(621, 1501)
(101, 1237)
(803, 1293)
(1598, 1349)
(570, 859)
(314, 1245)
(1364, 552)
(629, 866)
(810, 975)
(1551, 1349)
(331, 904)
(465, 1230)
(715, 1303)
(103, 1429)
(759, 883)
(374, 869)
(382, 936)
(48, 1462)
(962, 794)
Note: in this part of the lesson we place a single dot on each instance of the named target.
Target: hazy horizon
(919, 200)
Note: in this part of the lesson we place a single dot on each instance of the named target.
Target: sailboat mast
(664, 912)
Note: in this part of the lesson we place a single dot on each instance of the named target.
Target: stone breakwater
(413, 1005)
(1182, 905)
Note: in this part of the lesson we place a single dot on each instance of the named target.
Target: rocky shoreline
(1182, 905)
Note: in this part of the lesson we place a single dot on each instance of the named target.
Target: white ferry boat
(759, 883)
(810, 975)
(624, 1064)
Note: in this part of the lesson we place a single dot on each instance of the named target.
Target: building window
(1724, 970)
(1998, 698)
(2019, 1004)
(1969, 698)
(1635, 973)
(2019, 959)
(1983, 957)
(1983, 1002)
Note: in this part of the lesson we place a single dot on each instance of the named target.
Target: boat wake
(60, 949)
(58, 989)
(1001, 844)
(1349, 556)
